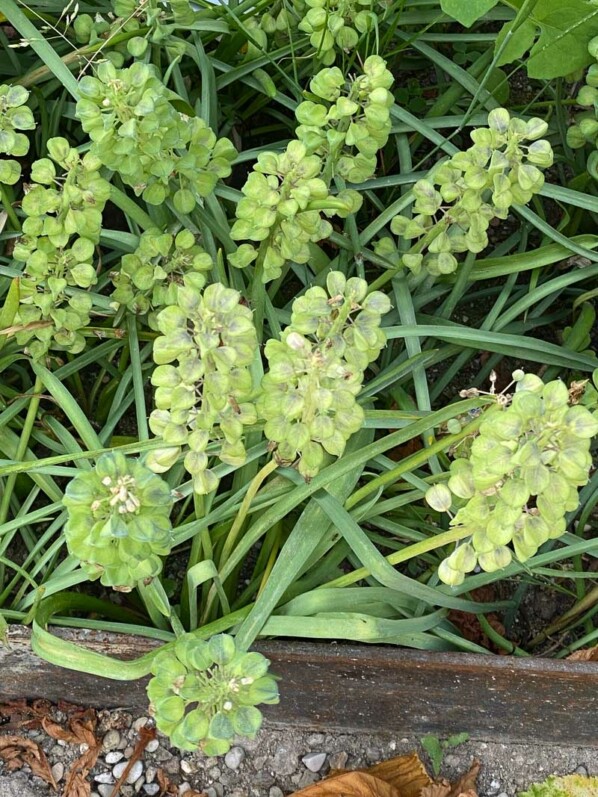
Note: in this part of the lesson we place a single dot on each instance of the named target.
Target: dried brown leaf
(20, 714)
(441, 788)
(17, 752)
(586, 654)
(350, 784)
(405, 772)
(466, 786)
(80, 730)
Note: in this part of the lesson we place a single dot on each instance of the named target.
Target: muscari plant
(514, 483)
(454, 206)
(286, 194)
(136, 131)
(148, 278)
(337, 26)
(203, 693)
(118, 523)
(64, 214)
(348, 121)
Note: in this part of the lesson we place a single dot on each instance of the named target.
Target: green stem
(201, 548)
(255, 485)
(22, 448)
(7, 205)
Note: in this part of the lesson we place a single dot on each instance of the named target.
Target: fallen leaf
(405, 772)
(20, 714)
(466, 786)
(441, 788)
(350, 784)
(17, 752)
(585, 654)
(80, 731)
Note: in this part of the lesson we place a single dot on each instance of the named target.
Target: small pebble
(338, 760)
(494, 787)
(234, 758)
(129, 751)
(139, 783)
(151, 788)
(104, 777)
(373, 755)
(581, 770)
(105, 789)
(150, 774)
(186, 766)
(134, 773)
(314, 761)
(111, 740)
(184, 787)
(140, 723)
(152, 746)
(275, 792)
(215, 773)
(113, 757)
(58, 771)
(315, 739)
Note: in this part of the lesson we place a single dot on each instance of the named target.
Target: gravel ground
(279, 762)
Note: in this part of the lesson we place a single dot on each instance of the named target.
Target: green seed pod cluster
(204, 388)
(584, 130)
(14, 116)
(118, 521)
(455, 205)
(149, 278)
(280, 18)
(283, 197)
(137, 132)
(51, 317)
(350, 121)
(61, 205)
(520, 478)
(162, 19)
(64, 216)
(337, 25)
(203, 693)
(316, 370)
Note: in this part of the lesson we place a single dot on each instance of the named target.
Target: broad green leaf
(467, 11)
(563, 31)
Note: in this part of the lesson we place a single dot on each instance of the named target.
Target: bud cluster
(455, 205)
(350, 121)
(316, 371)
(520, 478)
(203, 380)
(203, 693)
(118, 521)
